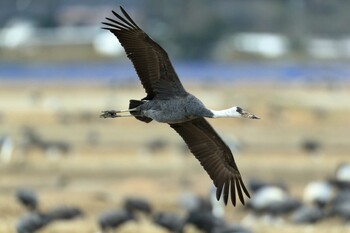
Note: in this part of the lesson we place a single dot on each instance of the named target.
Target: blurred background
(287, 61)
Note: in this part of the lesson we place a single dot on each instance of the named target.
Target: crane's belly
(169, 115)
(172, 111)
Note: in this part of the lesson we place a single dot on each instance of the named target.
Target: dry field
(110, 160)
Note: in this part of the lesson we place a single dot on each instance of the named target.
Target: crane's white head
(234, 112)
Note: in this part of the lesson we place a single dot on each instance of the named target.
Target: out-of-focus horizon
(291, 40)
(224, 30)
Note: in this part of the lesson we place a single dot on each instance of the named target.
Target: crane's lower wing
(215, 156)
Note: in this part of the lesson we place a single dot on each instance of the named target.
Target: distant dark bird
(64, 213)
(27, 198)
(342, 210)
(32, 222)
(35, 221)
(343, 172)
(342, 177)
(156, 145)
(311, 146)
(272, 201)
(340, 205)
(167, 101)
(204, 221)
(133, 204)
(318, 193)
(341, 180)
(307, 215)
(170, 221)
(208, 223)
(33, 140)
(112, 219)
(343, 196)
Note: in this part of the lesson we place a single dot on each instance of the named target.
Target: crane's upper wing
(215, 156)
(151, 62)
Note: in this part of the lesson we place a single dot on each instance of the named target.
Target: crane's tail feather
(134, 104)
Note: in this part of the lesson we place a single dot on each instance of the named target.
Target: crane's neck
(230, 112)
(235, 111)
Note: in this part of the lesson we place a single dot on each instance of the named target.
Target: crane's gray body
(174, 110)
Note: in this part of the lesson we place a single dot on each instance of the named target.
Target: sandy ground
(110, 159)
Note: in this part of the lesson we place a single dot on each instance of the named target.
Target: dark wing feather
(151, 62)
(215, 156)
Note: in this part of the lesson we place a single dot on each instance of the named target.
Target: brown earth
(109, 159)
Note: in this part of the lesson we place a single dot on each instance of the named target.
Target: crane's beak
(254, 117)
(249, 115)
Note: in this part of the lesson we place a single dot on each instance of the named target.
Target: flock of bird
(271, 203)
(30, 140)
(35, 218)
(321, 200)
(200, 215)
(33, 140)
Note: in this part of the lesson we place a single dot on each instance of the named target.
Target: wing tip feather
(245, 190)
(233, 192)
(226, 192)
(231, 188)
(239, 190)
(129, 18)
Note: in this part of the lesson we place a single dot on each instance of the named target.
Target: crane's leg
(114, 113)
(128, 110)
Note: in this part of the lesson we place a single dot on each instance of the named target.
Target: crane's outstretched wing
(151, 62)
(215, 156)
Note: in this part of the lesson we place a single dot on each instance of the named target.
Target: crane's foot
(109, 114)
